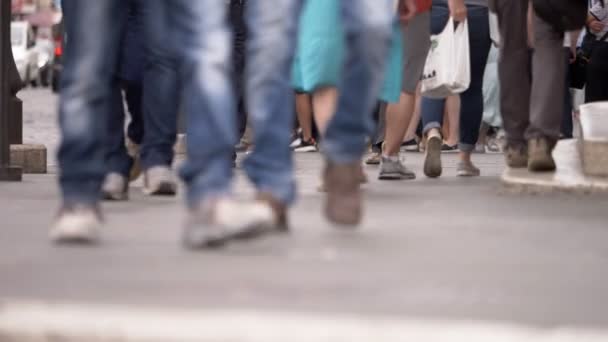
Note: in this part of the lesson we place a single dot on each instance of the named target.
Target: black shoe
(410, 146)
(305, 146)
(448, 148)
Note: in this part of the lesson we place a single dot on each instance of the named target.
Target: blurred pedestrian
(531, 112)
(123, 163)
(471, 101)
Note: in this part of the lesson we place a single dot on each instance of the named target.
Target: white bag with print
(448, 67)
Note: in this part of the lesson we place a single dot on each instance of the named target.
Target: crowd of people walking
(349, 71)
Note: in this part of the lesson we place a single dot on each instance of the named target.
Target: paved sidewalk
(459, 253)
(435, 260)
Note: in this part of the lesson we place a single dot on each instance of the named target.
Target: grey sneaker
(115, 187)
(159, 181)
(394, 170)
(214, 223)
(77, 224)
(467, 169)
(432, 158)
(540, 155)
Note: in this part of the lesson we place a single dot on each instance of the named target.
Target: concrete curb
(45, 322)
(569, 176)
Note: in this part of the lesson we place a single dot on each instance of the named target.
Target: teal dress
(321, 49)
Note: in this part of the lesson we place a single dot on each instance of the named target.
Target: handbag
(578, 69)
(447, 70)
(563, 15)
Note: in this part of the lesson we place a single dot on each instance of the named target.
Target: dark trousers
(118, 160)
(597, 74)
(567, 125)
(529, 109)
(471, 108)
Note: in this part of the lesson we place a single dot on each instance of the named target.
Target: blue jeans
(91, 54)
(129, 80)
(471, 105)
(212, 117)
(161, 94)
(272, 28)
(368, 30)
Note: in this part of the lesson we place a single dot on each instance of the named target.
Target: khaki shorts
(416, 44)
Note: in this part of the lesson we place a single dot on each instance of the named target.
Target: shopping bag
(448, 68)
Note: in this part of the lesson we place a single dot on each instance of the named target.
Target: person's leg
(90, 58)
(270, 97)
(368, 30)
(117, 159)
(115, 184)
(432, 110)
(304, 115)
(548, 78)
(324, 103)
(452, 114)
(514, 76)
(161, 91)
(471, 112)
(413, 128)
(133, 96)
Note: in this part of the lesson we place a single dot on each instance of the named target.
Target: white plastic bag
(448, 68)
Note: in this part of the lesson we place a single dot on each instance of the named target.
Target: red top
(423, 5)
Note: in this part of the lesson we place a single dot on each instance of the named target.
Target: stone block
(29, 157)
(593, 141)
(569, 176)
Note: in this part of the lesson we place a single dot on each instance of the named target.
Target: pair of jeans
(368, 28)
(161, 91)
(211, 109)
(94, 31)
(471, 101)
(129, 80)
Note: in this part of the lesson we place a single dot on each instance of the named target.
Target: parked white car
(24, 51)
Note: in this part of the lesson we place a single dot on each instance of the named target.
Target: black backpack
(563, 15)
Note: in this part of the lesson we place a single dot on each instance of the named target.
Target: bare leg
(413, 126)
(304, 113)
(398, 117)
(324, 103)
(453, 114)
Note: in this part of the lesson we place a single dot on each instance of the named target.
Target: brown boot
(362, 178)
(516, 156)
(344, 199)
(540, 152)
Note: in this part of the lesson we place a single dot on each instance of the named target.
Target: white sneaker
(78, 224)
(159, 181)
(115, 187)
(216, 222)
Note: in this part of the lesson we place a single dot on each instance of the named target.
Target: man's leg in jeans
(202, 42)
(514, 72)
(270, 97)
(90, 59)
(368, 29)
(115, 185)
(160, 101)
